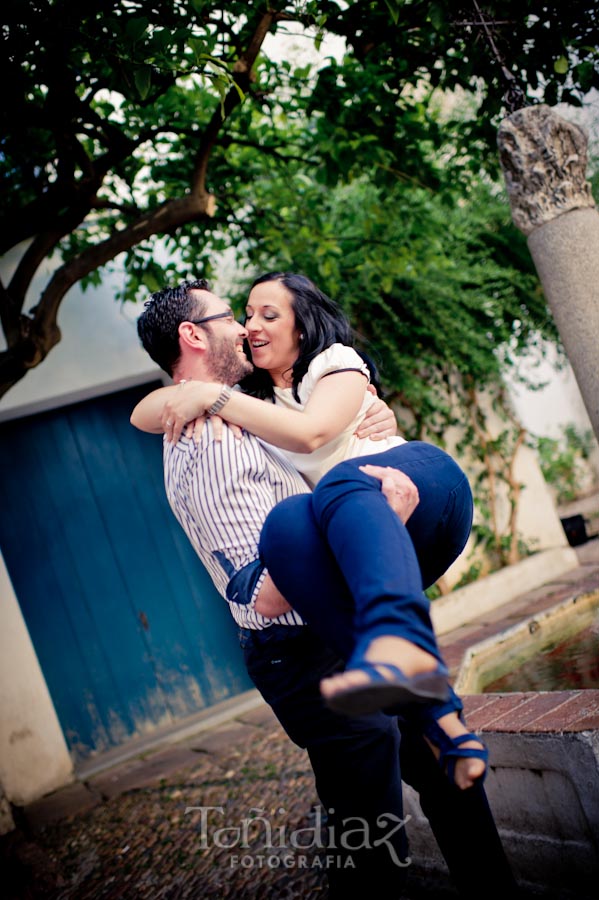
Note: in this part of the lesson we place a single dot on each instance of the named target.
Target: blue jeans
(355, 760)
(350, 567)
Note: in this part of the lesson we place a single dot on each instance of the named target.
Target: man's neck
(192, 373)
(196, 373)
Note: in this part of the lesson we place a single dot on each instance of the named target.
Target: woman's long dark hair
(322, 323)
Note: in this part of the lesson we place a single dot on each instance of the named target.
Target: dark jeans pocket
(287, 672)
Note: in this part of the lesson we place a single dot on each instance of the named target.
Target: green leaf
(136, 28)
(302, 72)
(240, 93)
(143, 81)
(381, 171)
(199, 48)
(393, 7)
(584, 72)
(437, 16)
(221, 86)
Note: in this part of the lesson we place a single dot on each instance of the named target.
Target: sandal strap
(452, 756)
(437, 736)
(451, 749)
(466, 753)
(449, 755)
(462, 738)
(373, 670)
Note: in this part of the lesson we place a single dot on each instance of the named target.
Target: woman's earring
(301, 337)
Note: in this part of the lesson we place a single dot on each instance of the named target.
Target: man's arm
(233, 488)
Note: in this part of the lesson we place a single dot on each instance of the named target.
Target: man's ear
(192, 337)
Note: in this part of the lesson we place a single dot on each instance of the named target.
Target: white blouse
(336, 358)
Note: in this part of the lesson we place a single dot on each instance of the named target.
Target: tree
(129, 121)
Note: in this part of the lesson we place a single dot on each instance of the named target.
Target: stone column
(544, 159)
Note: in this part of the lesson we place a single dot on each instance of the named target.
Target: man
(221, 492)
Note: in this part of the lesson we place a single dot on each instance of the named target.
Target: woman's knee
(344, 472)
(339, 484)
(286, 525)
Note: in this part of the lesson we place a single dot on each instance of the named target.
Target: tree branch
(242, 76)
(38, 333)
(66, 198)
(31, 337)
(268, 150)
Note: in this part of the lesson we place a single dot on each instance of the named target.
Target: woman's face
(272, 333)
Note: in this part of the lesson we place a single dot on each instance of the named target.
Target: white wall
(99, 347)
(34, 758)
(545, 411)
(537, 520)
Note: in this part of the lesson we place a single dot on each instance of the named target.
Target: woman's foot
(463, 769)
(392, 670)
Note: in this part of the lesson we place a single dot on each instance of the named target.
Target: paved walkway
(129, 832)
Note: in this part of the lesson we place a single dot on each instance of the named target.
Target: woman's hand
(188, 402)
(379, 421)
(400, 491)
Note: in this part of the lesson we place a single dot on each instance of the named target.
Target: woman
(300, 343)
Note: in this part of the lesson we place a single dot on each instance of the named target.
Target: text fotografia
(291, 861)
(351, 834)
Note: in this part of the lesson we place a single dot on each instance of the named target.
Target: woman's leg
(437, 530)
(440, 525)
(462, 823)
(305, 571)
(377, 558)
(438, 540)
(382, 559)
(434, 536)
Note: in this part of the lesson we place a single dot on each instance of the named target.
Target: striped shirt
(221, 493)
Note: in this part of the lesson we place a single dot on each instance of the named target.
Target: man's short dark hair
(158, 325)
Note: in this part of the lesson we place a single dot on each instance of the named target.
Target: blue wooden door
(129, 631)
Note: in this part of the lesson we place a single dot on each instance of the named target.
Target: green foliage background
(434, 284)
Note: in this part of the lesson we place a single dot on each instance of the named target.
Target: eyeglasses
(223, 315)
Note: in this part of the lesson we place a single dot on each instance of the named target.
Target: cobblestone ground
(144, 844)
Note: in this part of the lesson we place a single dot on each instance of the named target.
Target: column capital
(544, 161)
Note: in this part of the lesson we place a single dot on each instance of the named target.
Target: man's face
(225, 359)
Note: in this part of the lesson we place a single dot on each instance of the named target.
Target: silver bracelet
(222, 398)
